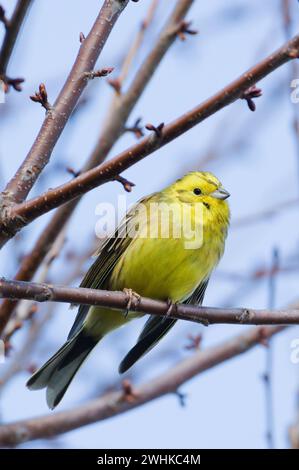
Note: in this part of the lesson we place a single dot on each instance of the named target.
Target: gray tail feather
(57, 373)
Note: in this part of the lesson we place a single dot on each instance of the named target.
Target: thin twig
(13, 27)
(40, 292)
(3, 18)
(136, 44)
(39, 155)
(249, 95)
(41, 96)
(185, 29)
(20, 359)
(24, 310)
(127, 185)
(34, 258)
(98, 73)
(136, 129)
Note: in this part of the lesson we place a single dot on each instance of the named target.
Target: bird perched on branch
(165, 248)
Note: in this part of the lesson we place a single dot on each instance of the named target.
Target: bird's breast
(170, 263)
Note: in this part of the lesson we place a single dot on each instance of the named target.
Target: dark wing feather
(196, 298)
(107, 257)
(146, 341)
(155, 328)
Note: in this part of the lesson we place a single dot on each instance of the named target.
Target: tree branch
(22, 214)
(123, 103)
(54, 123)
(120, 109)
(40, 292)
(31, 262)
(137, 42)
(12, 30)
(115, 403)
(26, 309)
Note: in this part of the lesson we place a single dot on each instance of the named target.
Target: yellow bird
(166, 249)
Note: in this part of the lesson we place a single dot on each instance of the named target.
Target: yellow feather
(171, 242)
(162, 267)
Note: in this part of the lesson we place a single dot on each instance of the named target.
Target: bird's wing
(107, 257)
(155, 328)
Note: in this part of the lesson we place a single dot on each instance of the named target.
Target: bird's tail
(57, 373)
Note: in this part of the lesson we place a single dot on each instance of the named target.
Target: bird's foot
(172, 308)
(130, 296)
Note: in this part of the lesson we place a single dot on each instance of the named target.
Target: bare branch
(136, 129)
(115, 403)
(127, 185)
(26, 309)
(42, 97)
(12, 27)
(33, 259)
(81, 37)
(54, 123)
(158, 130)
(15, 83)
(137, 42)
(98, 73)
(116, 121)
(3, 18)
(249, 95)
(184, 29)
(123, 103)
(22, 214)
(19, 361)
(40, 292)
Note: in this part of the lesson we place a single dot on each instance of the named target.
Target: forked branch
(22, 214)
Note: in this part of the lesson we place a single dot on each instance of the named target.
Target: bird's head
(200, 186)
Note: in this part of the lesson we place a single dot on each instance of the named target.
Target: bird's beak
(220, 193)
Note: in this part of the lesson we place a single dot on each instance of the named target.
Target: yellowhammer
(166, 249)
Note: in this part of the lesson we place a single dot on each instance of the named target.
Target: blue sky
(256, 161)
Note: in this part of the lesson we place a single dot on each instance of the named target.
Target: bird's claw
(130, 296)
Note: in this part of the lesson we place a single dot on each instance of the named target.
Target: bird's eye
(197, 191)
